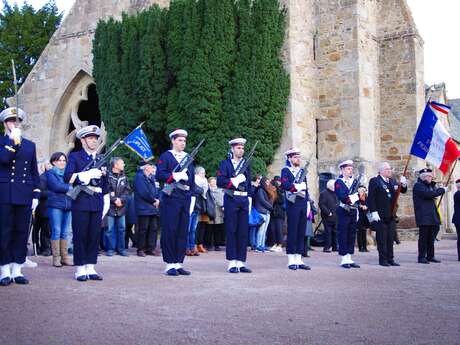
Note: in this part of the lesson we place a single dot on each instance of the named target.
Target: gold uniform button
(12, 180)
(26, 162)
(14, 161)
(24, 175)
(13, 167)
(12, 174)
(25, 168)
(23, 181)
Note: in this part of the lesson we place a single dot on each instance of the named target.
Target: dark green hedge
(212, 67)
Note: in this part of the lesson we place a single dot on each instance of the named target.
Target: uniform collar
(386, 180)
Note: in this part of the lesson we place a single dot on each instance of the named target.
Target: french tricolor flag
(432, 142)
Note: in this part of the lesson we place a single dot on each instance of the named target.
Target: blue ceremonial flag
(138, 143)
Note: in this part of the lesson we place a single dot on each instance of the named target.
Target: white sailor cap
(87, 131)
(292, 151)
(10, 113)
(178, 133)
(347, 163)
(237, 141)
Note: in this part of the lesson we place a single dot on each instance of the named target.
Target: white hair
(199, 170)
(383, 165)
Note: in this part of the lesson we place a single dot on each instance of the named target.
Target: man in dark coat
(328, 205)
(237, 205)
(88, 208)
(427, 216)
(147, 202)
(456, 216)
(119, 191)
(381, 200)
(175, 207)
(19, 193)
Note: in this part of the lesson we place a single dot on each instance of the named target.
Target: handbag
(210, 205)
(255, 219)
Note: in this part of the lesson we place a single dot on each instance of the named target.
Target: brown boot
(195, 252)
(56, 253)
(65, 260)
(201, 249)
(188, 252)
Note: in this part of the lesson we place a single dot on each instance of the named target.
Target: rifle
(94, 164)
(15, 83)
(290, 196)
(181, 166)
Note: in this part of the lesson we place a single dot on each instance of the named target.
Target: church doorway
(88, 111)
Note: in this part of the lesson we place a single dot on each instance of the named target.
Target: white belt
(240, 193)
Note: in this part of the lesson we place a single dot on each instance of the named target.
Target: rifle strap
(239, 166)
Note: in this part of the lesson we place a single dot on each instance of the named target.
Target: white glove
(34, 204)
(375, 216)
(354, 198)
(178, 176)
(15, 133)
(300, 186)
(192, 205)
(86, 176)
(403, 180)
(237, 180)
(446, 189)
(106, 206)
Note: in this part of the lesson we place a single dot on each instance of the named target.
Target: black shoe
(183, 272)
(353, 265)
(172, 272)
(434, 260)
(423, 261)
(245, 270)
(94, 277)
(292, 267)
(304, 267)
(347, 266)
(46, 252)
(233, 270)
(305, 255)
(21, 280)
(365, 250)
(384, 264)
(393, 263)
(217, 249)
(82, 278)
(6, 281)
(141, 253)
(397, 241)
(327, 250)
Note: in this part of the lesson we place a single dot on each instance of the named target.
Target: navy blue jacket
(342, 191)
(57, 190)
(425, 209)
(287, 183)
(456, 216)
(84, 202)
(165, 167)
(145, 194)
(225, 173)
(19, 179)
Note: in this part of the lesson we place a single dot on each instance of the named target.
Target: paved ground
(136, 304)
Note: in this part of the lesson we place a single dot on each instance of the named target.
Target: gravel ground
(137, 304)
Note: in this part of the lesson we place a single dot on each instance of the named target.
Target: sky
(438, 24)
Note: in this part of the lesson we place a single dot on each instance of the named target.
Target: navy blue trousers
(346, 231)
(86, 226)
(296, 227)
(14, 232)
(174, 220)
(236, 215)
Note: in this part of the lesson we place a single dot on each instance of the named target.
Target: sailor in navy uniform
(237, 205)
(19, 194)
(347, 213)
(175, 208)
(297, 210)
(87, 209)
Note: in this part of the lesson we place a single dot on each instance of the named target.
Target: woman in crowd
(59, 212)
(277, 217)
(363, 221)
(216, 225)
(263, 203)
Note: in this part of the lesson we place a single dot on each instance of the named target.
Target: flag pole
(448, 180)
(398, 191)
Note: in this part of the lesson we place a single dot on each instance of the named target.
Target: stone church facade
(356, 73)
